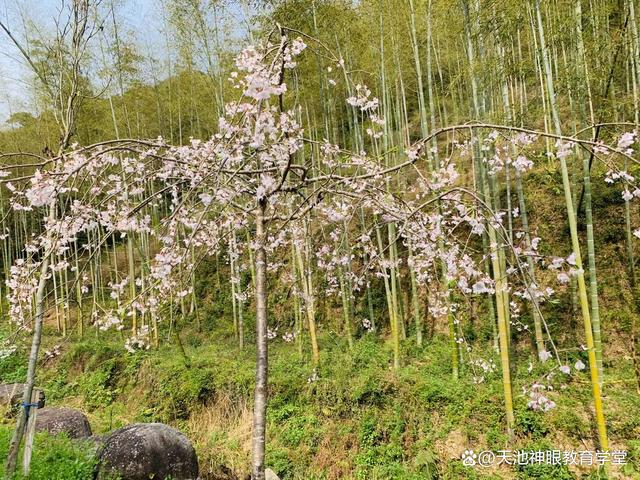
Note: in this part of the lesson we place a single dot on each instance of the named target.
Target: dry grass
(221, 431)
(335, 452)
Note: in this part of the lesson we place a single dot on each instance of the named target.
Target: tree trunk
(16, 439)
(260, 395)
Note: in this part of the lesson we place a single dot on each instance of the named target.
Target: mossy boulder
(147, 450)
(70, 421)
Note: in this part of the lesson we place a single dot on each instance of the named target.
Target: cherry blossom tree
(256, 176)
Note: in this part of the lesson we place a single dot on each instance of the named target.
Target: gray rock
(147, 450)
(270, 475)
(63, 420)
(11, 394)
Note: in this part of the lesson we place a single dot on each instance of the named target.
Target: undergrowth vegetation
(358, 420)
(55, 458)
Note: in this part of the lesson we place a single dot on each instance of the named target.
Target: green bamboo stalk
(309, 299)
(417, 315)
(586, 170)
(537, 320)
(575, 241)
(503, 321)
(393, 321)
(631, 263)
(234, 297)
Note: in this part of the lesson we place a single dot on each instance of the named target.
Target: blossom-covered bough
(263, 178)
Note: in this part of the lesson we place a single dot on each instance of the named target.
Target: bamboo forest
(319, 239)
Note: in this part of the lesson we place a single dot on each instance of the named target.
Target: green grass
(53, 458)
